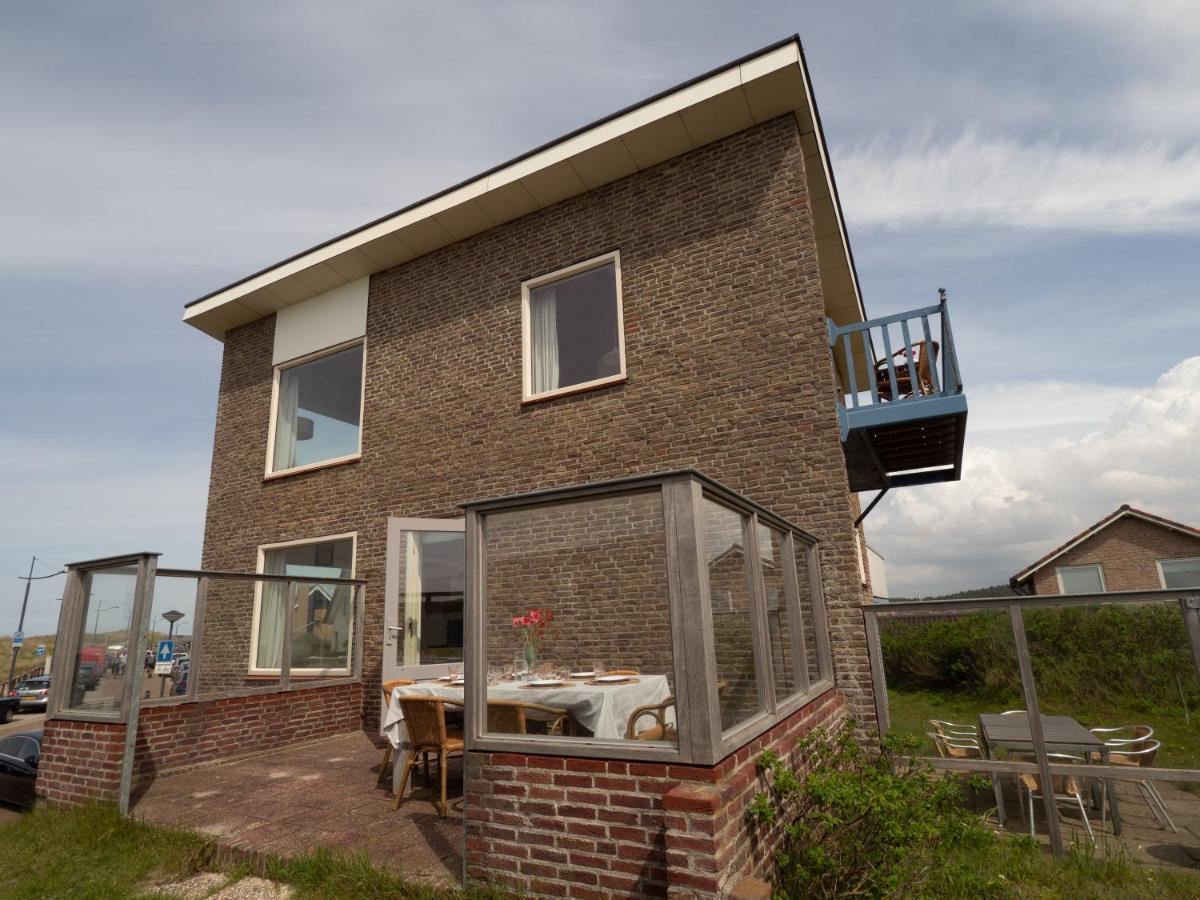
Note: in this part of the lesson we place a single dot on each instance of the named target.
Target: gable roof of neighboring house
(737, 96)
(1125, 511)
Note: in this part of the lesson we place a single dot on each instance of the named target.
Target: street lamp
(172, 616)
(104, 609)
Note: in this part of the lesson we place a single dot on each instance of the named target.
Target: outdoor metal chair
(387, 687)
(1064, 789)
(949, 747)
(661, 730)
(1112, 737)
(1013, 712)
(513, 717)
(425, 719)
(1142, 754)
(954, 729)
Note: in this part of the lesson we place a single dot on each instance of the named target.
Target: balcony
(901, 408)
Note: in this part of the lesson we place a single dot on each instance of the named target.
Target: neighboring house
(1128, 550)
(657, 290)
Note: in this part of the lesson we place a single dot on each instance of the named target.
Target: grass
(91, 852)
(1005, 867)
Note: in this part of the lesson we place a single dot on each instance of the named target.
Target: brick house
(660, 307)
(1128, 550)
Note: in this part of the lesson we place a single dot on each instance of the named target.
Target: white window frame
(527, 395)
(1162, 579)
(260, 565)
(268, 472)
(1097, 566)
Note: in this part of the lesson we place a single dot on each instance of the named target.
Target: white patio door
(423, 590)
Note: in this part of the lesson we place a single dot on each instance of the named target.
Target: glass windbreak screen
(432, 576)
(1080, 579)
(102, 661)
(573, 330)
(779, 611)
(318, 410)
(167, 667)
(732, 613)
(577, 620)
(322, 615)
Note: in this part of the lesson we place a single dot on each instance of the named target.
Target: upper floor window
(317, 414)
(1180, 573)
(1081, 579)
(573, 329)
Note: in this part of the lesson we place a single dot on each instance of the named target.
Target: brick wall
(591, 828)
(1128, 550)
(185, 734)
(728, 372)
(80, 761)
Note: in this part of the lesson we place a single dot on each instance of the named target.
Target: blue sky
(1040, 160)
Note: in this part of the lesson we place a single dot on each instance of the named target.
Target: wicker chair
(513, 717)
(923, 362)
(387, 687)
(425, 719)
(1141, 753)
(661, 730)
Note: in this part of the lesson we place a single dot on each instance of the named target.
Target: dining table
(601, 708)
(1062, 734)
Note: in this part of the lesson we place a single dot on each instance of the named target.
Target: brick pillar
(80, 761)
(694, 861)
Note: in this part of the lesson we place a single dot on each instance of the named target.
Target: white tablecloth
(602, 709)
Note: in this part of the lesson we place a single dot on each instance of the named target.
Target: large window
(321, 615)
(573, 335)
(318, 410)
(1180, 573)
(1081, 579)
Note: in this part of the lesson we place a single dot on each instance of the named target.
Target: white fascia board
(731, 79)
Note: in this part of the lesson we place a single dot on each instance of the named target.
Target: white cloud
(1016, 503)
(979, 180)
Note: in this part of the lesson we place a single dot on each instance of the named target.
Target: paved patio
(324, 793)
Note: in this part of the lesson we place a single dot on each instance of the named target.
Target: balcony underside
(909, 442)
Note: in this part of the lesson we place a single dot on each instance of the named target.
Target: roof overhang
(755, 89)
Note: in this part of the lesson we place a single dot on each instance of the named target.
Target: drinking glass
(452, 671)
(507, 671)
(598, 667)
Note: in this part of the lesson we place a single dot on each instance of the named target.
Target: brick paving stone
(342, 807)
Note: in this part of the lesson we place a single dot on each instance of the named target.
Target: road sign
(164, 657)
(41, 649)
(18, 639)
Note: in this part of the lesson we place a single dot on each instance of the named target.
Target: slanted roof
(737, 96)
(1122, 512)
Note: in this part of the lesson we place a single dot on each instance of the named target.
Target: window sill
(313, 467)
(575, 389)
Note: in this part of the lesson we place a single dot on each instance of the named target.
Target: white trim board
(746, 93)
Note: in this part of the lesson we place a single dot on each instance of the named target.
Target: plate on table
(457, 682)
(583, 674)
(612, 679)
(545, 682)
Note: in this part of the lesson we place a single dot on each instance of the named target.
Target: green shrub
(863, 823)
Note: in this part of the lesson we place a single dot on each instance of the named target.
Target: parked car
(32, 692)
(19, 755)
(9, 706)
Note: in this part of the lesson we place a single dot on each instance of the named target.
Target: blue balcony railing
(901, 408)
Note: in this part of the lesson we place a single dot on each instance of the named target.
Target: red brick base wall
(81, 761)
(551, 826)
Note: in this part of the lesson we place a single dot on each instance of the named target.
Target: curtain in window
(270, 614)
(543, 339)
(412, 600)
(285, 419)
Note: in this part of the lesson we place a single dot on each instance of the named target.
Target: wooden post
(1035, 728)
(197, 638)
(878, 676)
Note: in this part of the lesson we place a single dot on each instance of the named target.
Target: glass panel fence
(807, 612)
(100, 669)
(172, 619)
(577, 620)
(732, 613)
(780, 612)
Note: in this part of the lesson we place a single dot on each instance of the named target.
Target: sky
(1039, 160)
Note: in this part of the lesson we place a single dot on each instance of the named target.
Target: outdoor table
(603, 709)
(1063, 735)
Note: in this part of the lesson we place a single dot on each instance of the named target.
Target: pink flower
(535, 616)
(516, 621)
